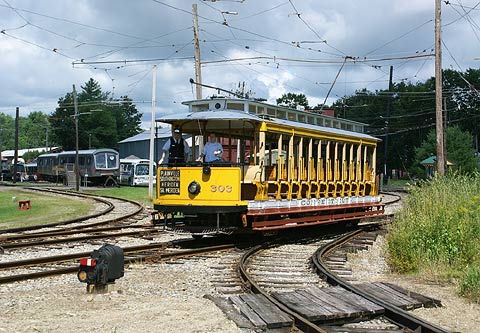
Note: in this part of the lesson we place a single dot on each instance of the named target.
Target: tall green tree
(102, 123)
(7, 131)
(33, 130)
(292, 100)
(460, 151)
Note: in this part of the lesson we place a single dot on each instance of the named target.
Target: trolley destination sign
(169, 181)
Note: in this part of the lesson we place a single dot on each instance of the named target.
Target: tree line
(408, 129)
(102, 122)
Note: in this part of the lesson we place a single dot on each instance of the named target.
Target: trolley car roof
(237, 120)
(216, 113)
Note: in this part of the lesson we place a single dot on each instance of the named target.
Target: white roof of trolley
(241, 111)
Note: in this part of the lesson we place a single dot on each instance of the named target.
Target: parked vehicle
(98, 166)
(135, 172)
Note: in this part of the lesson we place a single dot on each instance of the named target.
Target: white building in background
(10, 154)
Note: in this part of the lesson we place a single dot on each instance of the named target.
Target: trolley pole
(438, 90)
(75, 105)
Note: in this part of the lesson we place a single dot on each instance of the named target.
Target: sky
(323, 49)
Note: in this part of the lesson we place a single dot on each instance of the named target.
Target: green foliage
(7, 124)
(31, 155)
(459, 148)
(438, 228)
(101, 122)
(470, 283)
(292, 100)
(31, 130)
(412, 115)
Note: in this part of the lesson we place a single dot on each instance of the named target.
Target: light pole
(77, 174)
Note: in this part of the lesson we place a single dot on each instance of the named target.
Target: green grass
(139, 194)
(470, 284)
(437, 233)
(45, 208)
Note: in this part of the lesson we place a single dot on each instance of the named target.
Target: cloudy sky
(273, 46)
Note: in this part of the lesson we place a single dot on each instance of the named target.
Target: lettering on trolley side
(169, 181)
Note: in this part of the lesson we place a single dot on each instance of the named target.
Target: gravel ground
(154, 298)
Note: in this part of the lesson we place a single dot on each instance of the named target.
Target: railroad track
(120, 215)
(264, 269)
(393, 312)
(35, 268)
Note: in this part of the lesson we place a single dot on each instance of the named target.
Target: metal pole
(438, 90)
(15, 161)
(75, 105)
(198, 68)
(152, 135)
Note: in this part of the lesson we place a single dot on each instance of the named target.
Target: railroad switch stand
(24, 205)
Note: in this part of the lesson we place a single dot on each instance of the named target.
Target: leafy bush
(438, 230)
(470, 284)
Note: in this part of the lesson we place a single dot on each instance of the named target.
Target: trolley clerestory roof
(238, 122)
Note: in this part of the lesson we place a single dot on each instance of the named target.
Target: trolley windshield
(106, 161)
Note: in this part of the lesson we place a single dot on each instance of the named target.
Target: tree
(101, 121)
(459, 150)
(7, 131)
(32, 131)
(291, 100)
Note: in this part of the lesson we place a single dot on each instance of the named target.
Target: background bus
(134, 172)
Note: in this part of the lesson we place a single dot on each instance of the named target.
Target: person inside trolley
(177, 148)
(212, 151)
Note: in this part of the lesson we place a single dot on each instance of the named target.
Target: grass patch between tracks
(45, 208)
(437, 233)
(139, 194)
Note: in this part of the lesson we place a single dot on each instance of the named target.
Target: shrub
(470, 283)
(438, 227)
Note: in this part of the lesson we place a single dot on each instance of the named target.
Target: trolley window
(112, 162)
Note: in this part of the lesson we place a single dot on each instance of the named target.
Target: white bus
(134, 172)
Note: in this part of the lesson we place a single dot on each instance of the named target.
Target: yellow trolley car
(281, 168)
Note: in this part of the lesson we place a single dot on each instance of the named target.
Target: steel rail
(109, 208)
(127, 251)
(67, 231)
(394, 313)
(18, 245)
(300, 322)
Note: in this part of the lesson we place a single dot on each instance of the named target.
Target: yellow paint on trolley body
(220, 188)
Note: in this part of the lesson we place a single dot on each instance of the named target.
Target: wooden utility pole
(387, 123)
(438, 91)
(198, 69)
(77, 174)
